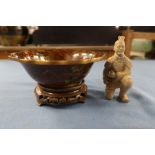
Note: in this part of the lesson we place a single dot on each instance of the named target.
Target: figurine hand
(120, 75)
(112, 74)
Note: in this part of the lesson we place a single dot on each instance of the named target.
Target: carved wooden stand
(63, 96)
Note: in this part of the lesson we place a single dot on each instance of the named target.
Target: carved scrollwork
(59, 98)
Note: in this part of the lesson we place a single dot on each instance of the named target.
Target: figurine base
(61, 96)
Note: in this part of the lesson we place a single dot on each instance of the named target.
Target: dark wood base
(63, 96)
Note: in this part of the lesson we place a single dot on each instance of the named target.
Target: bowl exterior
(53, 76)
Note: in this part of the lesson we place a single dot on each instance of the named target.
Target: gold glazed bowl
(59, 72)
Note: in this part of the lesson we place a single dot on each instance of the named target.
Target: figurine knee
(126, 82)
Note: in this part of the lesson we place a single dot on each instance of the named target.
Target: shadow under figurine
(117, 72)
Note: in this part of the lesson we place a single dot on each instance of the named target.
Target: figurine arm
(109, 73)
(126, 71)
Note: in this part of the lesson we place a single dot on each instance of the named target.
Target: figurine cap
(121, 38)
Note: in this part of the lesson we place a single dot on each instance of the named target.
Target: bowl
(59, 72)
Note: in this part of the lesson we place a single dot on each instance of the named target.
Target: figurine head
(119, 46)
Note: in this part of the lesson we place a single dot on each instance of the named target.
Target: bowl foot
(56, 97)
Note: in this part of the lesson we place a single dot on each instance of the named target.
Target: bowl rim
(13, 56)
(58, 62)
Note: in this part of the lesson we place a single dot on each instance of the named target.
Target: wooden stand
(61, 96)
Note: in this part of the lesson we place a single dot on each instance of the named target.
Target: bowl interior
(58, 56)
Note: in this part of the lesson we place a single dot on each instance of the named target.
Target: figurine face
(119, 48)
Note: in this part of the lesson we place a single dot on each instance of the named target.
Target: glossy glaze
(59, 56)
(58, 67)
(57, 75)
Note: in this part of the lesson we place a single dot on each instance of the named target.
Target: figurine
(117, 72)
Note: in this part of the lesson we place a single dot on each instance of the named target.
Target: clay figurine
(117, 72)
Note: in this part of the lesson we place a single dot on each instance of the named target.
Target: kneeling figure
(117, 72)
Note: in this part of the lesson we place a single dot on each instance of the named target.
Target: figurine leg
(126, 83)
(123, 97)
(109, 92)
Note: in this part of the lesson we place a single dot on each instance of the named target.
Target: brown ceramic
(59, 72)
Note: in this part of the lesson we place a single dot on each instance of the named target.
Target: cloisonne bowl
(59, 72)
